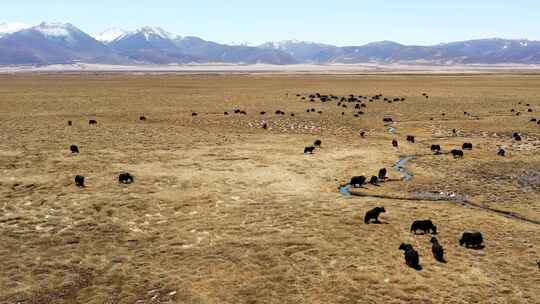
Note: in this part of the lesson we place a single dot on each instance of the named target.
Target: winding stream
(433, 197)
(398, 166)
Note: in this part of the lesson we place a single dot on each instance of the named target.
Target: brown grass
(223, 211)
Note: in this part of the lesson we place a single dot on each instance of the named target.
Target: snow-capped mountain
(150, 32)
(155, 45)
(49, 43)
(303, 51)
(110, 35)
(209, 51)
(53, 43)
(150, 45)
(12, 27)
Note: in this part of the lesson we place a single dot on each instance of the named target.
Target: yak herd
(412, 258)
(123, 178)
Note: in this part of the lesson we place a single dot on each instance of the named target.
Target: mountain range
(55, 43)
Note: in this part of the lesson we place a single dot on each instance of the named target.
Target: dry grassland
(223, 211)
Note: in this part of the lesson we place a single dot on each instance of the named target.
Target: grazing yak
(374, 180)
(309, 150)
(265, 126)
(394, 143)
(363, 134)
(70, 123)
(92, 122)
(125, 178)
(225, 113)
(457, 153)
(411, 256)
(358, 181)
(263, 112)
(516, 136)
(424, 225)
(193, 114)
(410, 138)
(74, 149)
(142, 118)
(382, 173)
(436, 149)
(373, 214)
(471, 239)
(388, 119)
(501, 152)
(317, 143)
(467, 146)
(79, 181)
(437, 250)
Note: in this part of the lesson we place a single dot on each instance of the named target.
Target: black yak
(309, 150)
(358, 181)
(471, 239)
(437, 250)
(374, 180)
(74, 149)
(411, 256)
(373, 214)
(467, 146)
(125, 178)
(457, 153)
(424, 225)
(79, 181)
(382, 173)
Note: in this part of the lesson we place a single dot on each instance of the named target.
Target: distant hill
(51, 43)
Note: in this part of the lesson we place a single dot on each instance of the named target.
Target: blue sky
(340, 22)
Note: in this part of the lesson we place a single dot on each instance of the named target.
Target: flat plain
(225, 211)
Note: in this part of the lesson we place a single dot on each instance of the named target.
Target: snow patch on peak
(12, 27)
(55, 29)
(243, 43)
(149, 31)
(286, 44)
(110, 34)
